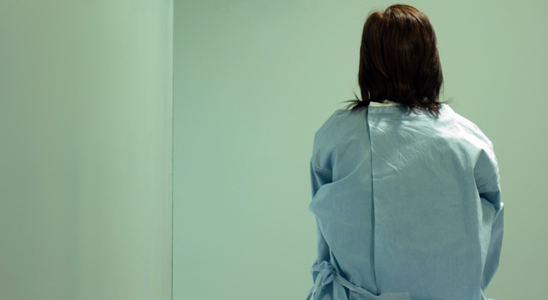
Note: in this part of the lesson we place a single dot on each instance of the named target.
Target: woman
(405, 191)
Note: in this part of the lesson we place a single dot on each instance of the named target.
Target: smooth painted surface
(254, 79)
(85, 152)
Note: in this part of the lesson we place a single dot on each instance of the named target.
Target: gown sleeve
(495, 245)
(487, 181)
(323, 253)
(318, 178)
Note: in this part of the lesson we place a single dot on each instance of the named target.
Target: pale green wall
(254, 79)
(85, 151)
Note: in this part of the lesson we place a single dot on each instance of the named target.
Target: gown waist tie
(329, 274)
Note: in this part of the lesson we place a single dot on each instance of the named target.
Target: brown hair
(399, 60)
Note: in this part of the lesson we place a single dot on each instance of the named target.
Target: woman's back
(407, 206)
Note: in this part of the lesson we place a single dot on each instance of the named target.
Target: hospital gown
(407, 206)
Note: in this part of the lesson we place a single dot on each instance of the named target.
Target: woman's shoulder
(338, 120)
(463, 127)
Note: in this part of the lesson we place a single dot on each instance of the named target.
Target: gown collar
(384, 102)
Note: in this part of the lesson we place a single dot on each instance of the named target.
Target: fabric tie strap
(329, 274)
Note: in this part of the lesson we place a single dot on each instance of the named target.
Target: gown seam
(373, 252)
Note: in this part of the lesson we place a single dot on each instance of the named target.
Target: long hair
(399, 60)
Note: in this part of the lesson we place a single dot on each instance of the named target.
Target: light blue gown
(407, 206)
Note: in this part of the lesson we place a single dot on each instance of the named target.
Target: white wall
(85, 149)
(254, 79)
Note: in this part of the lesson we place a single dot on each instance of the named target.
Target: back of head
(399, 60)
